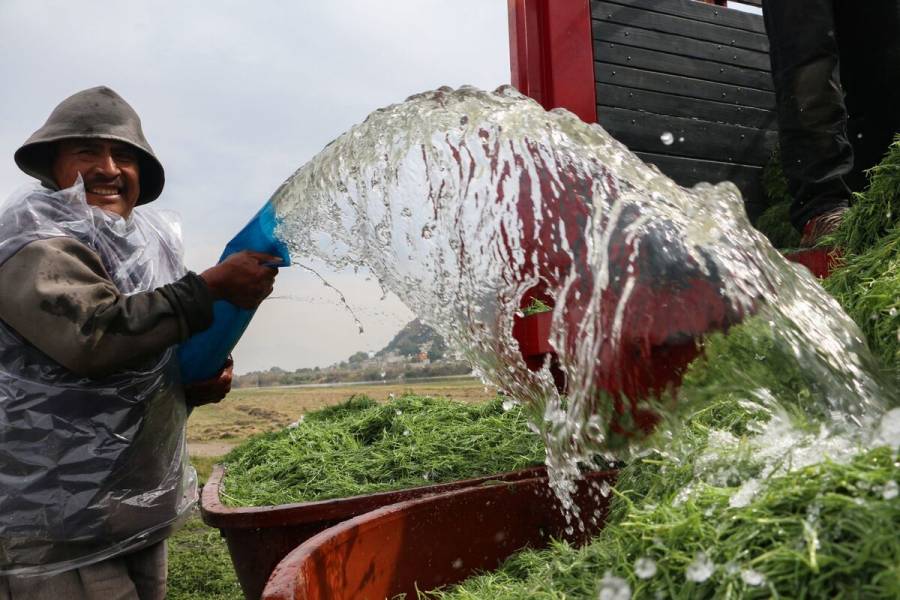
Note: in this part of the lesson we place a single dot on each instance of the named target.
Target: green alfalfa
(362, 447)
(868, 282)
(823, 531)
(875, 213)
(775, 222)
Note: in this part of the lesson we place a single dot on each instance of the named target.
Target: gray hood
(94, 113)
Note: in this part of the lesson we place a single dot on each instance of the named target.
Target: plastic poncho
(89, 468)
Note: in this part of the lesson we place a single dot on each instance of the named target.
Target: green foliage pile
(361, 447)
(775, 222)
(824, 531)
(868, 283)
(845, 547)
(875, 213)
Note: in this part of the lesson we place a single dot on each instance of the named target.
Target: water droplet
(752, 578)
(645, 567)
(605, 489)
(667, 138)
(613, 588)
(700, 569)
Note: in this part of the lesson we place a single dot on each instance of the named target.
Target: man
(836, 69)
(93, 301)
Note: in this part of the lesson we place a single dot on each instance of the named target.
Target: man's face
(109, 169)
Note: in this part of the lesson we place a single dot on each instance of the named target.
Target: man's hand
(210, 390)
(244, 278)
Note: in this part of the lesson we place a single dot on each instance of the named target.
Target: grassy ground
(199, 566)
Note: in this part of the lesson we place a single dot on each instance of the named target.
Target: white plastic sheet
(89, 468)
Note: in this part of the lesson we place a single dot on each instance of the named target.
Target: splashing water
(469, 204)
(645, 567)
(700, 569)
(613, 588)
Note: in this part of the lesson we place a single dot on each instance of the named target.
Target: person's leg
(66, 586)
(816, 154)
(148, 570)
(869, 41)
(108, 580)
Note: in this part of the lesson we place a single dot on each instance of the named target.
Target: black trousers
(836, 69)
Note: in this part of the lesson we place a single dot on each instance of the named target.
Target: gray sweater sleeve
(57, 295)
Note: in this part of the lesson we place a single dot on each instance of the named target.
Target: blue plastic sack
(203, 355)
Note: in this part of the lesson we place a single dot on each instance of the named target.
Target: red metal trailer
(641, 68)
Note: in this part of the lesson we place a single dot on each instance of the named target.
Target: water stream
(467, 204)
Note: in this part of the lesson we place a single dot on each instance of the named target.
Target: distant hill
(402, 358)
(413, 339)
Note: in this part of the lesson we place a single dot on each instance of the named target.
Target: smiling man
(112, 166)
(94, 299)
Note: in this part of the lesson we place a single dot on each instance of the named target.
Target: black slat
(642, 132)
(687, 28)
(689, 172)
(662, 62)
(608, 74)
(683, 106)
(635, 36)
(698, 11)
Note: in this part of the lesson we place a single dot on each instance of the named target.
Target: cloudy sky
(234, 97)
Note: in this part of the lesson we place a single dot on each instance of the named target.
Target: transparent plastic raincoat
(89, 468)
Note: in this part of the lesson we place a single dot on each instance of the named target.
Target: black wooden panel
(609, 74)
(688, 172)
(677, 44)
(681, 26)
(704, 13)
(683, 106)
(662, 62)
(643, 132)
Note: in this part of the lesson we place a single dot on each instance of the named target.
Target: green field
(199, 566)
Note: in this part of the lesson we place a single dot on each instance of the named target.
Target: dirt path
(214, 449)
